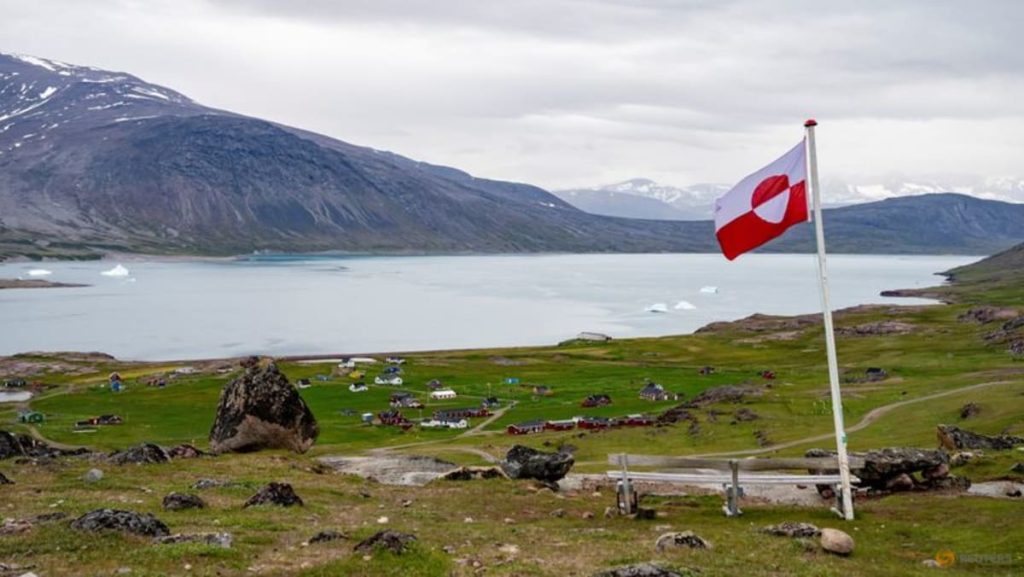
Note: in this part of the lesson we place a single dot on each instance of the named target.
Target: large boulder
(883, 465)
(20, 445)
(182, 501)
(125, 521)
(682, 540)
(262, 410)
(525, 463)
(954, 438)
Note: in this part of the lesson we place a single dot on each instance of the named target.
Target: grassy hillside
(935, 367)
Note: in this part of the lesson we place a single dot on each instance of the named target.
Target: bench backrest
(748, 464)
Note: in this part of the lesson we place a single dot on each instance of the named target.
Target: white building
(443, 394)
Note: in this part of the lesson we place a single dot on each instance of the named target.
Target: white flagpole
(830, 337)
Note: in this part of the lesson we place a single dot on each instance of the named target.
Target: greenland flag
(763, 205)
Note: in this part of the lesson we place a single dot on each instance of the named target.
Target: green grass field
(936, 368)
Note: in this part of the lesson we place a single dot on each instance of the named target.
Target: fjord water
(314, 305)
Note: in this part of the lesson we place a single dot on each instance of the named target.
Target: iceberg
(709, 290)
(118, 271)
(657, 308)
(684, 306)
(39, 272)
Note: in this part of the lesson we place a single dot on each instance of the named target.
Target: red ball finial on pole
(810, 122)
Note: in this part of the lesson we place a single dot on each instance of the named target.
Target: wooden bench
(732, 474)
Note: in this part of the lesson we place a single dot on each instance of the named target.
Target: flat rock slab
(409, 470)
(998, 489)
(222, 540)
(640, 570)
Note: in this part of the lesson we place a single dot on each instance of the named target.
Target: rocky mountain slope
(94, 161)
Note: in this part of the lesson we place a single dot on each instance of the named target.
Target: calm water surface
(182, 310)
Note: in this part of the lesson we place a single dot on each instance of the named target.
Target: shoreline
(18, 283)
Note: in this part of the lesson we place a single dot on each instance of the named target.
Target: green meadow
(935, 365)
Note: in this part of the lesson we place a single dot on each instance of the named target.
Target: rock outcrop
(525, 463)
(222, 540)
(19, 445)
(146, 453)
(639, 570)
(684, 539)
(182, 501)
(280, 494)
(145, 525)
(954, 438)
(792, 529)
(262, 410)
(386, 540)
(894, 468)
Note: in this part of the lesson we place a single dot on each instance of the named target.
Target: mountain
(94, 161)
(644, 198)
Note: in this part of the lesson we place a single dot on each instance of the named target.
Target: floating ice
(709, 290)
(657, 308)
(118, 270)
(39, 272)
(684, 306)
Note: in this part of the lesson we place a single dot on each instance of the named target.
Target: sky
(569, 93)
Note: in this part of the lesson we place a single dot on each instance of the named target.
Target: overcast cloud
(564, 93)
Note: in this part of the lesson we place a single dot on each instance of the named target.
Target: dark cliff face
(94, 161)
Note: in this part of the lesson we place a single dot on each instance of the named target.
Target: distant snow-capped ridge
(645, 198)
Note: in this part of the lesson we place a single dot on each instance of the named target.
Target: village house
(392, 370)
(593, 423)
(564, 425)
(596, 401)
(439, 424)
(490, 403)
(593, 337)
(526, 428)
(394, 360)
(352, 362)
(405, 400)
(434, 384)
(358, 387)
(395, 418)
(462, 413)
(442, 394)
(656, 392)
(393, 380)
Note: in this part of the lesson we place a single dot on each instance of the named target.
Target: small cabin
(462, 413)
(358, 387)
(563, 425)
(434, 384)
(394, 360)
(442, 394)
(490, 403)
(393, 380)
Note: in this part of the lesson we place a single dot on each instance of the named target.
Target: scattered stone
(961, 458)
(4, 480)
(280, 494)
(722, 394)
(185, 451)
(951, 483)
(1013, 491)
(876, 328)
(938, 472)
(836, 541)
(327, 536)
(639, 570)
(610, 512)
(744, 415)
(522, 462)
(969, 410)
(1016, 348)
(93, 476)
(1017, 468)
(901, 482)
(792, 529)
(48, 518)
(588, 515)
(558, 513)
(509, 549)
(406, 503)
(686, 539)
(387, 540)
(222, 540)
(931, 563)
(117, 520)
(211, 484)
(470, 473)
(15, 526)
(954, 438)
(262, 410)
(986, 314)
(146, 453)
(762, 438)
(182, 501)
(383, 520)
(20, 445)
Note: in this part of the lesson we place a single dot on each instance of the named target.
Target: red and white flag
(763, 205)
